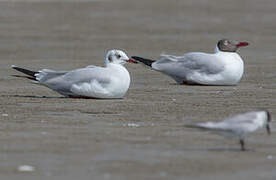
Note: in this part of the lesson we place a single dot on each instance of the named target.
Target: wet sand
(141, 136)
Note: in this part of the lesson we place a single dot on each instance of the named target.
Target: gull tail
(147, 62)
(202, 126)
(194, 126)
(31, 74)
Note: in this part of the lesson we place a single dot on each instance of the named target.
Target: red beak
(242, 44)
(132, 61)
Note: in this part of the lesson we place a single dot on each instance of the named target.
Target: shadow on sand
(59, 97)
(32, 96)
(218, 149)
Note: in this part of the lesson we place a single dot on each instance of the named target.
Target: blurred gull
(25, 168)
(238, 126)
(110, 81)
(224, 67)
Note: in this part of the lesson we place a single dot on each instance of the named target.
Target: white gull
(238, 126)
(224, 67)
(110, 81)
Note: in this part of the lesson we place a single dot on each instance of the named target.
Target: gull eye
(118, 56)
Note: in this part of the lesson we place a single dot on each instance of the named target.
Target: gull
(224, 67)
(110, 81)
(238, 126)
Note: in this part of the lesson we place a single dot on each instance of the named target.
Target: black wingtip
(27, 77)
(147, 62)
(25, 71)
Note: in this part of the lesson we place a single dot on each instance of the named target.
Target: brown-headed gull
(110, 81)
(238, 126)
(224, 67)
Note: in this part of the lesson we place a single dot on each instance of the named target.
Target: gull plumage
(224, 67)
(110, 81)
(238, 126)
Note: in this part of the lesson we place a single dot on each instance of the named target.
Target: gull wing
(189, 63)
(83, 82)
(248, 117)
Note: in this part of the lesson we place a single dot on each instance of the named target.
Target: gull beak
(242, 44)
(268, 129)
(130, 60)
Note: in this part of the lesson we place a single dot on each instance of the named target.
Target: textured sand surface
(141, 136)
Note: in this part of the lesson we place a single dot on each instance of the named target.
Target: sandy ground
(141, 136)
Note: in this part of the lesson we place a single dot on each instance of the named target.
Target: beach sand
(141, 136)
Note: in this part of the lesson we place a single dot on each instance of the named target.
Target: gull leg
(242, 145)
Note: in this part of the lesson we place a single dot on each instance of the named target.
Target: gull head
(227, 45)
(117, 57)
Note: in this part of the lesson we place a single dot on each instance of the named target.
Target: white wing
(248, 122)
(248, 117)
(200, 62)
(46, 74)
(88, 81)
(190, 65)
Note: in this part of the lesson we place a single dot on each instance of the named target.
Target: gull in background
(110, 81)
(238, 126)
(224, 67)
